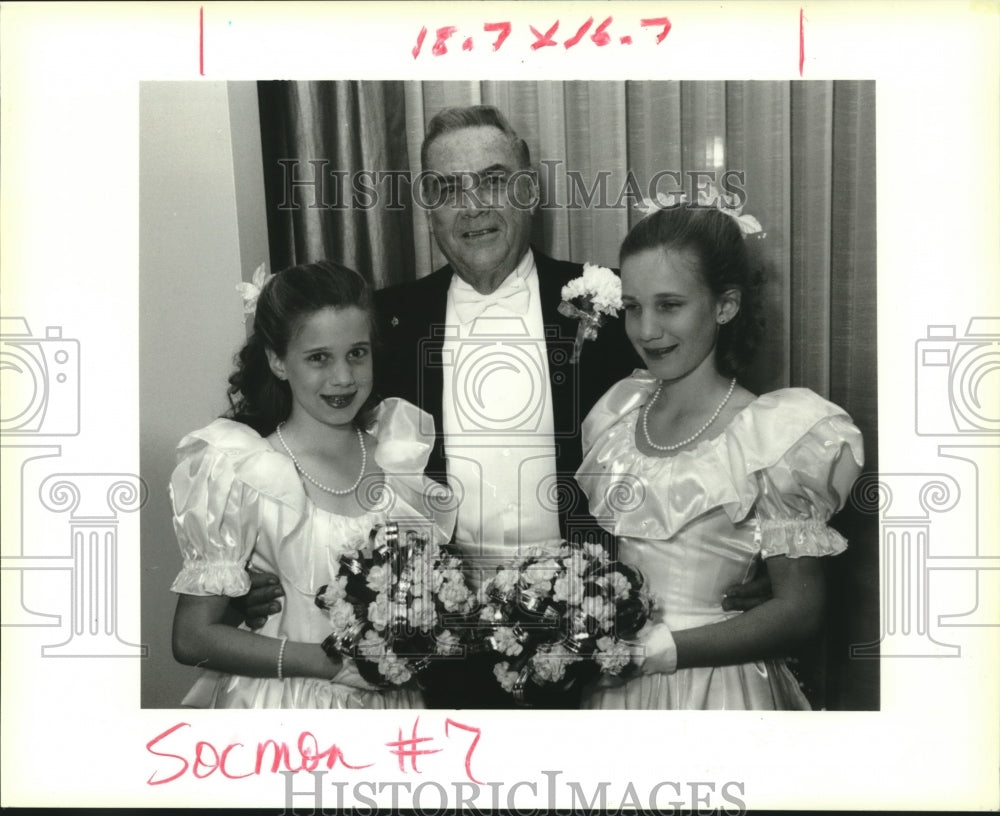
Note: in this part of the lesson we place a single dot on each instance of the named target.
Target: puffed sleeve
(213, 528)
(622, 398)
(405, 436)
(798, 494)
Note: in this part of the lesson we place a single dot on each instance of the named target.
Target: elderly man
(480, 345)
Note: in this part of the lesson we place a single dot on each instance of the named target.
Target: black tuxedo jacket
(408, 365)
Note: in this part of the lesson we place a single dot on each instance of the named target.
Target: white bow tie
(512, 295)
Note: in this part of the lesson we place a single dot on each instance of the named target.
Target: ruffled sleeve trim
(721, 472)
(219, 491)
(795, 538)
(199, 578)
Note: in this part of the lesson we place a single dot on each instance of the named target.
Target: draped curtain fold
(807, 154)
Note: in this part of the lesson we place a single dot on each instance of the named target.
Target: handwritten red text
(548, 35)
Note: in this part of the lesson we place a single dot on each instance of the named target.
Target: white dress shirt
(497, 421)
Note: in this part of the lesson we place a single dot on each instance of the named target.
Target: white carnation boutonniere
(590, 298)
(251, 291)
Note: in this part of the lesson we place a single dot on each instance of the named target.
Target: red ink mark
(600, 37)
(468, 754)
(225, 756)
(579, 34)
(802, 41)
(658, 21)
(503, 28)
(543, 39)
(467, 45)
(626, 40)
(308, 749)
(420, 42)
(308, 759)
(200, 763)
(201, 41)
(443, 34)
(207, 758)
(154, 741)
(410, 750)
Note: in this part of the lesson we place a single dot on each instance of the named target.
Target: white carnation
(422, 614)
(549, 665)
(335, 591)
(378, 578)
(600, 611)
(505, 677)
(568, 588)
(378, 611)
(342, 617)
(599, 287)
(447, 643)
(615, 583)
(505, 642)
(612, 655)
(393, 669)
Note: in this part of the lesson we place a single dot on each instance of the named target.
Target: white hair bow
(709, 195)
(251, 291)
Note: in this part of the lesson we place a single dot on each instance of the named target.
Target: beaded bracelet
(281, 658)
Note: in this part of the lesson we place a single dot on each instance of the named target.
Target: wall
(202, 230)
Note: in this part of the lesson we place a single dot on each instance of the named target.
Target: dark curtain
(309, 132)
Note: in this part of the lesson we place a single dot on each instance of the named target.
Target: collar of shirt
(512, 295)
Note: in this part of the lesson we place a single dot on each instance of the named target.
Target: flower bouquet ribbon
(590, 299)
(390, 602)
(562, 618)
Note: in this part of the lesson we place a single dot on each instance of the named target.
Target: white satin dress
(693, 523)
(238, 501)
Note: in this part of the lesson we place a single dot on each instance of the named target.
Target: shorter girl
(699, 478)
(281, 484)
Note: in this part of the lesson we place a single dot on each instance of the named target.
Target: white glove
(656, 652)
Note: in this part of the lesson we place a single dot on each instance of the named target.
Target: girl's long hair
(256, 396)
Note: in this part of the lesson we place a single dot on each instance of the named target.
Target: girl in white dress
(282, 485)
(699, 478)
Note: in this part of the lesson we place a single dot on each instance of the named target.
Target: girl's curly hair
(256, 396)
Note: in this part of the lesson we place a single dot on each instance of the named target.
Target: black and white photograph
(499, 406)
(412, 198)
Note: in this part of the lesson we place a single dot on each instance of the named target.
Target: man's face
(482, 217)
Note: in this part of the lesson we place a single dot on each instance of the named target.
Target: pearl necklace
(696, 434)
(320, 485)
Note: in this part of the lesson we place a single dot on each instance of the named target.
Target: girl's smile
(328, 366)
(670, 313)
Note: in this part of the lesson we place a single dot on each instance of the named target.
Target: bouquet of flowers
(591, 298)
(562, 617)
(390, 603)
